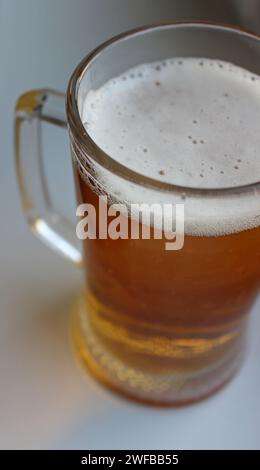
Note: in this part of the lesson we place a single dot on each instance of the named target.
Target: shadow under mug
(161, 327)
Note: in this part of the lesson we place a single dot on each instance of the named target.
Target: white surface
(46, 401)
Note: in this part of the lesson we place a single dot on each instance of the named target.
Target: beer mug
(160, 326)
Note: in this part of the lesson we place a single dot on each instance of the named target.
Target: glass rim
(91, 148)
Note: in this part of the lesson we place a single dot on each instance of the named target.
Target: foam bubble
(186, 121)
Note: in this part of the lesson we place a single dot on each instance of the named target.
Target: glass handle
(33, 108)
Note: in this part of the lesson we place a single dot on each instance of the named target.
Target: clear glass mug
(152, 334)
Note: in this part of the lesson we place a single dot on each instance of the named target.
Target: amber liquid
(166, 327)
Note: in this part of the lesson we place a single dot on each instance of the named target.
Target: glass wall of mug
(165, 326)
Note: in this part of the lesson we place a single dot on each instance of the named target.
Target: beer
(168, 326)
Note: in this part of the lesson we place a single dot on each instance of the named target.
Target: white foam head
(186, 121)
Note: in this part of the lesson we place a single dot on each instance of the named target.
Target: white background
(46, 401)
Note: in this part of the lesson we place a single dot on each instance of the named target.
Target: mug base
(175, 389)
